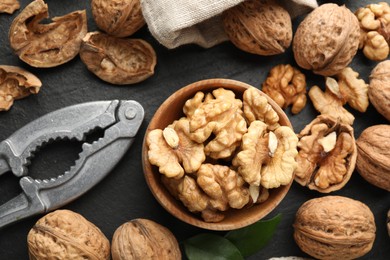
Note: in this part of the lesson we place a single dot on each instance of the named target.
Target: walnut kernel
(286, 85)
(325, 164)
(9, 6)
(16, 83)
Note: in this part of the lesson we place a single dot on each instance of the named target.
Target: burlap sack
(177, 22)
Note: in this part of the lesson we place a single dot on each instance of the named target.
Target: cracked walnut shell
(144, 239)
(64, 234)
(379, 89)
(286, 85)
(327, 39)
(326, 155)
(118, 61)
(373, 155)
(45, 45)
(334, 227)
(16, 83)
(119, 18)
(259, 26)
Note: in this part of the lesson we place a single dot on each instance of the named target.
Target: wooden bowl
(172, 109)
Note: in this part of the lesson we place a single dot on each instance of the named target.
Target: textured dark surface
(124, 195)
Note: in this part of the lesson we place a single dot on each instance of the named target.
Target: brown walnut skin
(64, 234)
(334, 227)
(118, 61)
(327, 39)
(379, 89)
(260, 27)
(120, 18)
(47, 45)
(373, 160)
(144, 239)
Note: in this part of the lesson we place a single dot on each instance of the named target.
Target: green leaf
(251, 239)
(210, 246)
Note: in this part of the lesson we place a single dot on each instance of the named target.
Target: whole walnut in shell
(144, 239)
(327, 39)
(373, 159)
(334, 227)
(379, 89)
(64, 234)
(259, 26)
(120, 18)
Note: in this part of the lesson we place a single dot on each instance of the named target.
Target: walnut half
(46, 45)
(326, 155)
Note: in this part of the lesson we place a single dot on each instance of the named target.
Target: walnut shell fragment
(64, 234)
(50, 44)
(9, 6)
(327, 39)
(16, 83)
(379, 89)
(373, 155)
(334, 227)
(144, 239)
(118, 61)
(326, 155)
(260, 27)
(120, 18)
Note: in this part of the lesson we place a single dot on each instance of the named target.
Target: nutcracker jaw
(120, 121)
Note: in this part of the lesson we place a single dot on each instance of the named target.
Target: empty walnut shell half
(50, 44)
(334, 227)
(327, 39)
(144, 239)
(259, 26)
(326, 155)
(373, 155)
(120, 18)
(64, 234)
(379, 89)
(118, 61)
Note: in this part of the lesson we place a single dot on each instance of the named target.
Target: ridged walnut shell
(327, 39)
(116, 60)
(120, 18)
(379, 89)
(64, 234)
(373, 160)
(334, 227)
(45, 45)
(144, 239)
(259, 26)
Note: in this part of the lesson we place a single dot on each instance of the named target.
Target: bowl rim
(174, 206)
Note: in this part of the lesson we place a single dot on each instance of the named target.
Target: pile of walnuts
(224, 153)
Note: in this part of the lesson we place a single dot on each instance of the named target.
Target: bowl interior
(172, 109)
